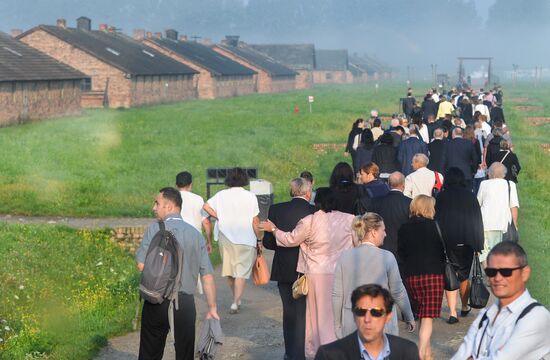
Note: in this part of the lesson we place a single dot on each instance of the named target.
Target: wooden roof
(331, 60)
(295, 56)
(264, 62)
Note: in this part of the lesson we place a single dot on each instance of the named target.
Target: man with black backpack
(171, 257)
(516, 326)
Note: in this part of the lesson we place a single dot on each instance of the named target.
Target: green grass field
(112, 163)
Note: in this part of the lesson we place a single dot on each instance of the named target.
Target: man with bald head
(461, 153)
(422, 180)
(394, 209)
(436, 149)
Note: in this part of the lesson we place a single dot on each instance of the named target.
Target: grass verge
(64, 292)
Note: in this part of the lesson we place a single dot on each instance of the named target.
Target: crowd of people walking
(371, 249)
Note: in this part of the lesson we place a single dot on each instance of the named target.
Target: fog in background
(401, 33)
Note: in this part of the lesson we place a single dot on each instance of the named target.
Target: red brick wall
(304, 80)
(21, 101)
(363, 78)
(121, 91)
(212, 87)
(330, 77)
(264, 82)
(161, 89)
(283, 84)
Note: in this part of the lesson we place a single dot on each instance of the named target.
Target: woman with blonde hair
(421, 250)
(367, 264)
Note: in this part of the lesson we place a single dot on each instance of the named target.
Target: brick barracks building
(298, 57)
(123, 72)
(331, 67)
(35, 86)
(219, 75)
(272, 77)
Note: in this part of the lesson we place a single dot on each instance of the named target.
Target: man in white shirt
(513, 327)
(422, 180)
(191, 209)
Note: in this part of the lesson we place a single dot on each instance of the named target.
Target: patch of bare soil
(546, 148)
(528, 108)
(520, 99)
(328, 147)
(538, 120)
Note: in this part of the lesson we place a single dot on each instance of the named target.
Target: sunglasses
(375, 312)
(505, 272)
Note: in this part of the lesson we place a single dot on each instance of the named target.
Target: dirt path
(256, 332)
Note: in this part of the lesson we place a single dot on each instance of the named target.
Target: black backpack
(162, 269)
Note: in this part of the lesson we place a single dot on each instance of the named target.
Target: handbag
(450, 277)
(479, 295)
(511, 233)
(260, 272)
(299, 287)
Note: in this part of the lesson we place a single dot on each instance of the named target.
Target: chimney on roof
(84, 23)
(62, 23)
(103, 27)
(139, 34)
(231, 40)
(183, 38)
(171, 34)
(16, 32)
(158, 35)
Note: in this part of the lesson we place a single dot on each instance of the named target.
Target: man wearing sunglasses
(516, 326)
(372, 305)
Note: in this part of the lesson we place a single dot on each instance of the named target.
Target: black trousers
(294, 322)
(155, 327)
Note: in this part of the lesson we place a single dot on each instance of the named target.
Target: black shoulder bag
(450, 276)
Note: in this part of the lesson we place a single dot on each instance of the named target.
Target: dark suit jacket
(285, 216)
(437, 153)
(394, 209)
(348, 349)
(461, 153)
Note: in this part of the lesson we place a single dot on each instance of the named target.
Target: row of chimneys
(84, 23)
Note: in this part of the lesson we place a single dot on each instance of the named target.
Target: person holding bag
(459, 216)
(499, 203)
(322, 238)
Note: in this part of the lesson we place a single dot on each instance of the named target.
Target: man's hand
(209, 248)
(267, 226)
(212, 313)
(140, 266)
(346, 153)
(411, 325)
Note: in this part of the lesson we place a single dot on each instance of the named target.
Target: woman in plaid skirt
(421, 251)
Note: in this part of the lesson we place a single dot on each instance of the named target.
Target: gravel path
(256, 332)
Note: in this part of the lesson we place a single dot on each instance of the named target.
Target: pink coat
(322, 237)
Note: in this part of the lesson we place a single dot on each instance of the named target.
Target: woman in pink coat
(322, 237)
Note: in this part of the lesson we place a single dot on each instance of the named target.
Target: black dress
(385, 156)
(459, 216)
(346, 196)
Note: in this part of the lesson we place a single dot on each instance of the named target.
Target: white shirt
(420, 182)
(425, 135)
(191, 209)
(484, 110)
(529, 339)
(236, 207)
(486, 128)
(493, 199)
